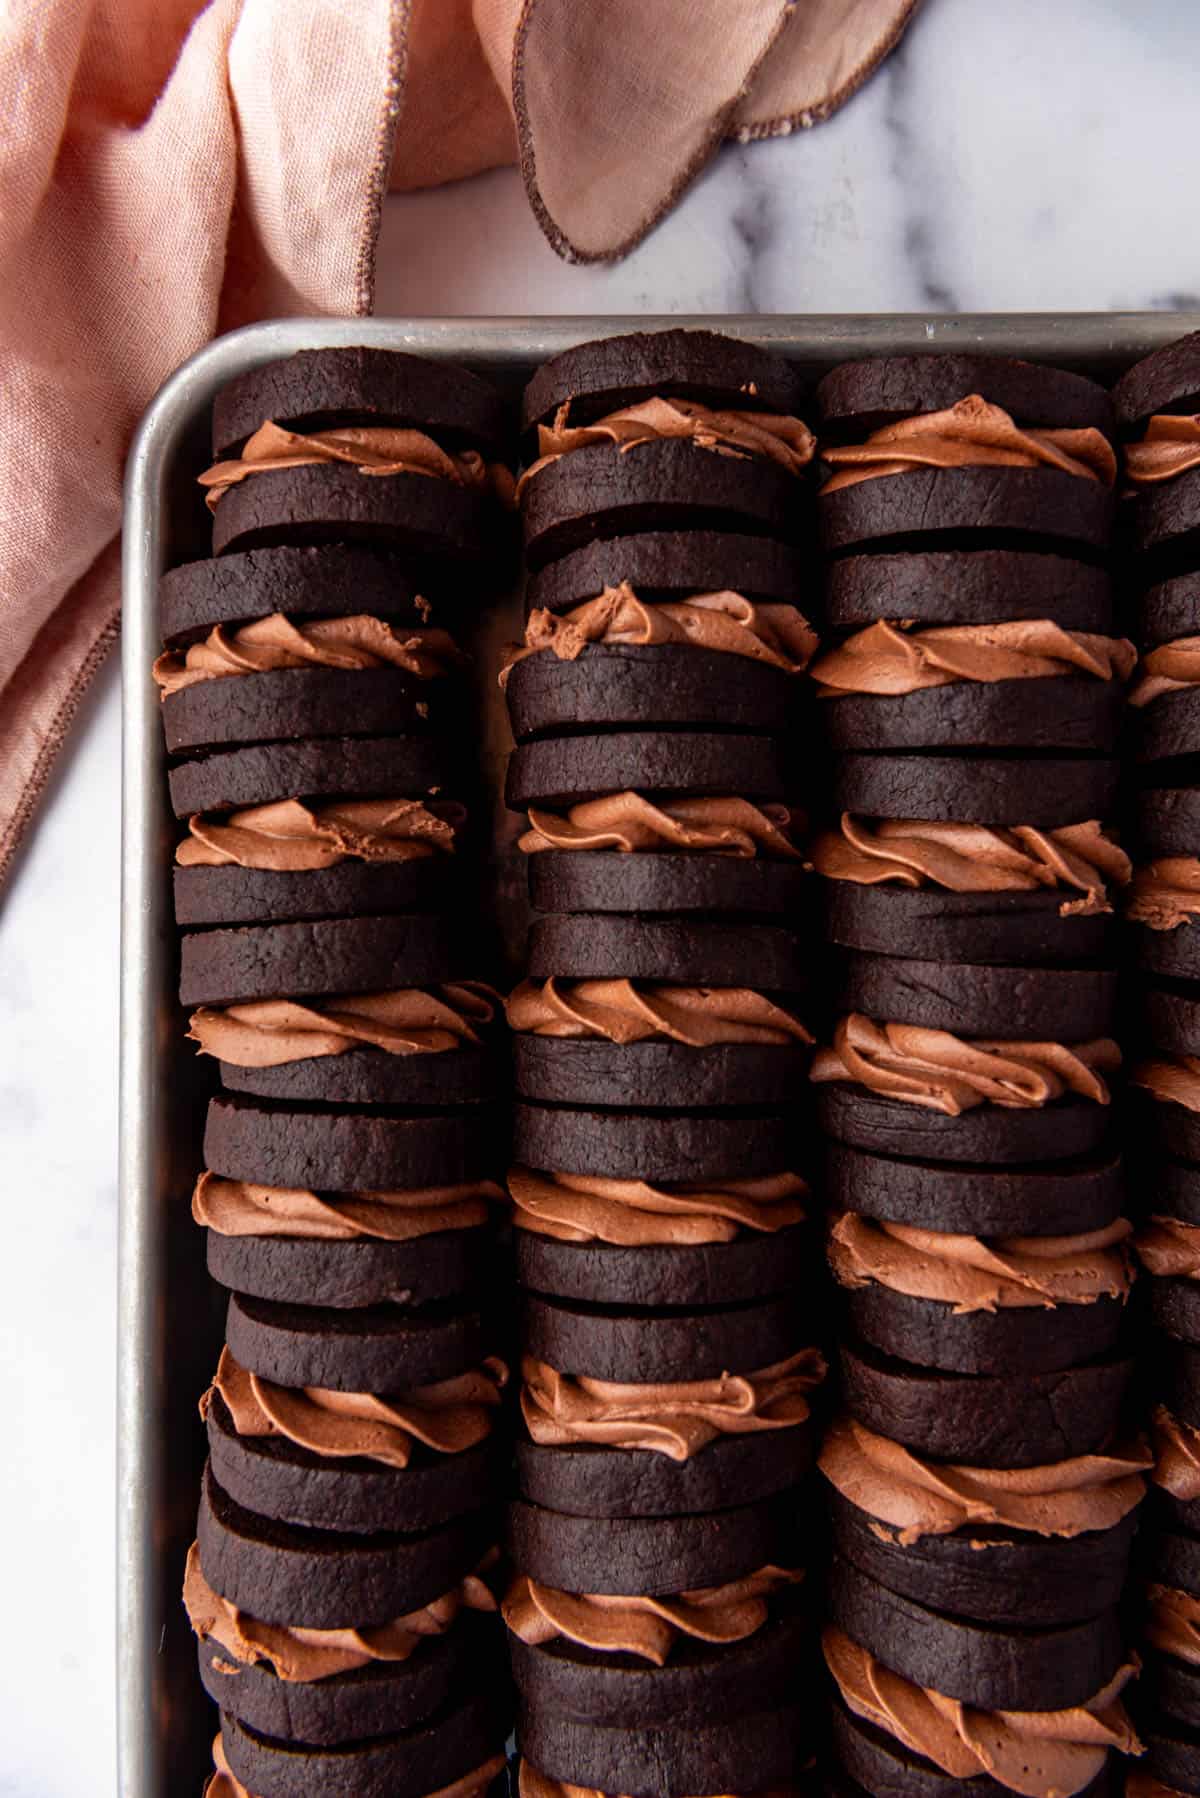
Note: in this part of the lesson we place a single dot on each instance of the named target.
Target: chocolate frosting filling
(889, 658)
(1172, 1079)
(1173, 1623)
(296, 1653)
(970, 434)
(266, 1033)
(976, 858)
(677, 1419)
(245, 1208)
(1169, 668)
(766, 436)
(1170, 1248)
(629, 823)
(371, 449)
(947, 1073)
(1042, 1754)
(290, 835)
(627, 1011)
(635, 1214)
(970, 1274)
(643, 1626)
(532, 1784)
(447, 1417)
(1165, 893)
(728, 622)
(269, 644)
(1176, 1455)
(909, 1497)
(1170, 447)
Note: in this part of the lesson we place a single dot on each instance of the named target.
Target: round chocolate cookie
(640, 1145)
(1063, 1130)
(1166, 523)
(668, 1347)
(297, 1270)
(1170, 1188)
(1167, 380)
(1168, 821)
(1169, 1018)
(750, 1750)
(1177, 1377)
(613, 372)
(1075, 713)
(276, 1478)
(985, 1666)
(1172, 954)
(424, 517)
(338, 767)
(1023, 509)
(672, 565)
(1068, 1005)
(1009, 1420)
(991, 1575)
(1172, 1752)
(635, 686)
(1046, 792)
(378, 1348)
(295, 961)
(234, 895)
(1166, 1127)
(981, 586)
(340, 581)
(752, 1265)
(1165, 611)
(651, 1557)
(557, 772)
(657, 1075)
(937, 925)
(283, 704)
(468, 1075)
(1066, 1199)
(348, 1151)
(1175, 1307)
(326, 1579)
(857, 398)
(664, 882)
(637, 1482)
(764, 957)
(1168, 728)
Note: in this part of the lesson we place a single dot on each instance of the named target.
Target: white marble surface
(1029, 155)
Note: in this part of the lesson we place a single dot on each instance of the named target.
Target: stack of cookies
(660, 1617)
(983, 1496)
(313, 697)
(1158, 404)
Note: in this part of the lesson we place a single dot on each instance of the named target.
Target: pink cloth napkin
(169, 170)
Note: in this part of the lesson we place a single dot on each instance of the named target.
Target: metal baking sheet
(170, 1315)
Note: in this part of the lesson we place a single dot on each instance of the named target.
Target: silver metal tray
(170, 1314)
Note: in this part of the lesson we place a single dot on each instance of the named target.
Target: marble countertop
(1018, 157)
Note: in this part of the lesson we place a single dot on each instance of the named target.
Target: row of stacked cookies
(1157, 405)
(983, 1488)
(316, 707)
(661, 1616)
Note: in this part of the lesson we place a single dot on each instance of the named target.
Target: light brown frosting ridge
(1165, 893)
(296, 1653)
(947, 1073)
(676, 1419)
(970, 1274)
(1170, 1248)
(269, 644)
(1176, 1455)
(634, 1214)
(290, 835)
(640, 1625)
(1042, 1754)
(1173, 1623)
(246, 1208)
(446, 1416)
(1172, 1079)
(724, 621)
(223, 1784)
(909, 1497)
(371, 449)
(628, 1011)
(629, 823)
(1169, 668)
(890, 658)
(532, 1784)
(768, 436)
(970, 434)
(1170, 447)
(976, 858)
(266, 1033)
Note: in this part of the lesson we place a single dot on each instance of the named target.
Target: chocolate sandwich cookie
(1157, 404)
(348, 1151)
(668, 566)
(1025, 1305)
(640, 1145)
(989, 452)
(1165, 698)
(342, 955)
(1168, 1246)
(1163, 912)
(753, 1751)
(1171, 1626)
(1164, 1101)
(933, 587)
(336, 767)
(1175, 1435)
(1007, 1420)
(1167, 820)
(1063, 1199)
(460, 1748)
(297, 582)
(1171, 1767)
(1041, 1545)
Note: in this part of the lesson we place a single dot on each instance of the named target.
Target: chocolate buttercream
(909, 1497)
(970, 434)
(628, 1011)
(724, 621)
(634, 1214)
(766, 436)
(976, 858)
(222, 1783)
(1170, 447)
(371, 449)
(532, 1784)
(970, 1274)
(629, 823)
(1170, 668)
(643, 1626)
(447, 1416)
(1173, 1623)
(676, 1419)
(1170, 1248)
(245, 1208)
(269, 644)
(1172, 1079)
(1176, 1455)
(290, 835)
(1042, 1754)
(266, 1033)
(889, 658)
(951, 1074)
(1166, 893)
(296, 1653)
